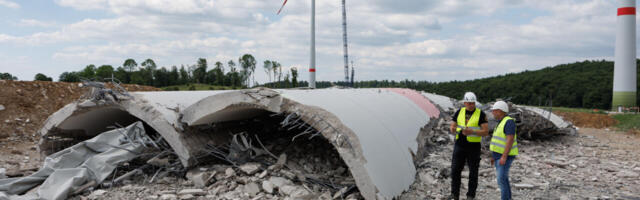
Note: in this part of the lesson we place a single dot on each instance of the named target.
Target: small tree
(7, 76)
(104, 71)
(42, 77)
(69, 77)
(130, 64)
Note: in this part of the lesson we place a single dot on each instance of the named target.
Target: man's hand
(492, 160)
(467, 131)
(503, 160)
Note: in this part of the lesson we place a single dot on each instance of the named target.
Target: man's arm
(454, 126)
(484, 131)
(510, 132)
(507, 148)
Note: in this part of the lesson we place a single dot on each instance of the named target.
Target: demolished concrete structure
(380, 134)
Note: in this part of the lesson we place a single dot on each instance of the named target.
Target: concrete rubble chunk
(187, 197)
(168, 197)
(268, 186)
(160, 162)
(556, 163)
(627, 174)
(279, 181)
(340, 193)
(229, 172)
(97, 194)
(252, 189)
(199, 178)
(195, 191)
(250, 168)
(523, 186)
(2, 107)
(282, 159)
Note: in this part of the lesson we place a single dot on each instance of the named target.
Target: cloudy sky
(409, 39)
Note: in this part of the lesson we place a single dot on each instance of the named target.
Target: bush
(192, 87)
(42, 77)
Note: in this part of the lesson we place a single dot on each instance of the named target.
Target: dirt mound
(588, 120)
(27, 104)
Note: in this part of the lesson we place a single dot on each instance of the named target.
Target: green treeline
(586, 84)
(235, 74)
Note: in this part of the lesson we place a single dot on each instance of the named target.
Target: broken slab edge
(135, 108)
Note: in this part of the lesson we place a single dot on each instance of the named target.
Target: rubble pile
(263, 161)
(593, 165)
(24, 106)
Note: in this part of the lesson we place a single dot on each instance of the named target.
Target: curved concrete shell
(380, 134)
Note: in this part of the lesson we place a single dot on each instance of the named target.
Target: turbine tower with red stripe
(625, 73)
(312, 62)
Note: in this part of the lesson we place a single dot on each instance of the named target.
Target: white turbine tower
(625, 73)
(312, 62)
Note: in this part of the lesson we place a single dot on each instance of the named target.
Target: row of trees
(586, 84)
(234, 74)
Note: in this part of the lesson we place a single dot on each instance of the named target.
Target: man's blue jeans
(502, 173)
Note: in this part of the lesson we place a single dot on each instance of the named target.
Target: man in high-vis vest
(504, 146)
(469, 125)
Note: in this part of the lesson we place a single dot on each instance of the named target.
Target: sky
(394, 40)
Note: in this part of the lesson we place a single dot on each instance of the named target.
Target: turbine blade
(285, 2)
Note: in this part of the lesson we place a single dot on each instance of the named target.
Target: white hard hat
(469, 97)
(500, 105)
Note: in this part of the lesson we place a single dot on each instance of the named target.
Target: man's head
(469, 101)
(499, 110)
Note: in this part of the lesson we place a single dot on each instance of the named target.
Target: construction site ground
(598, 163)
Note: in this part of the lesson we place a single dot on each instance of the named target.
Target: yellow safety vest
(472, 124)
(499, 139)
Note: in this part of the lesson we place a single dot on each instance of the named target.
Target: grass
(627, 121)
(197, 87)
(582, 110)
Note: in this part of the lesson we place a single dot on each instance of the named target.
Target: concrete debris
(246, 129)
(523, 186)
(279, 181)
(199, 178)
(250, 168)
(3, 173)
(252, 189)
(196, 192)
(97, 194)
(2, 107)
(229, 172)
(543, 170)
(268, 186)
(81, 166)
(168, 197)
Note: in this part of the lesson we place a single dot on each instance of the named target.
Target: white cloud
(35, 23)
(9, 4)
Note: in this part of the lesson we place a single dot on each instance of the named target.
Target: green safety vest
(472, 124)
(499, 139)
